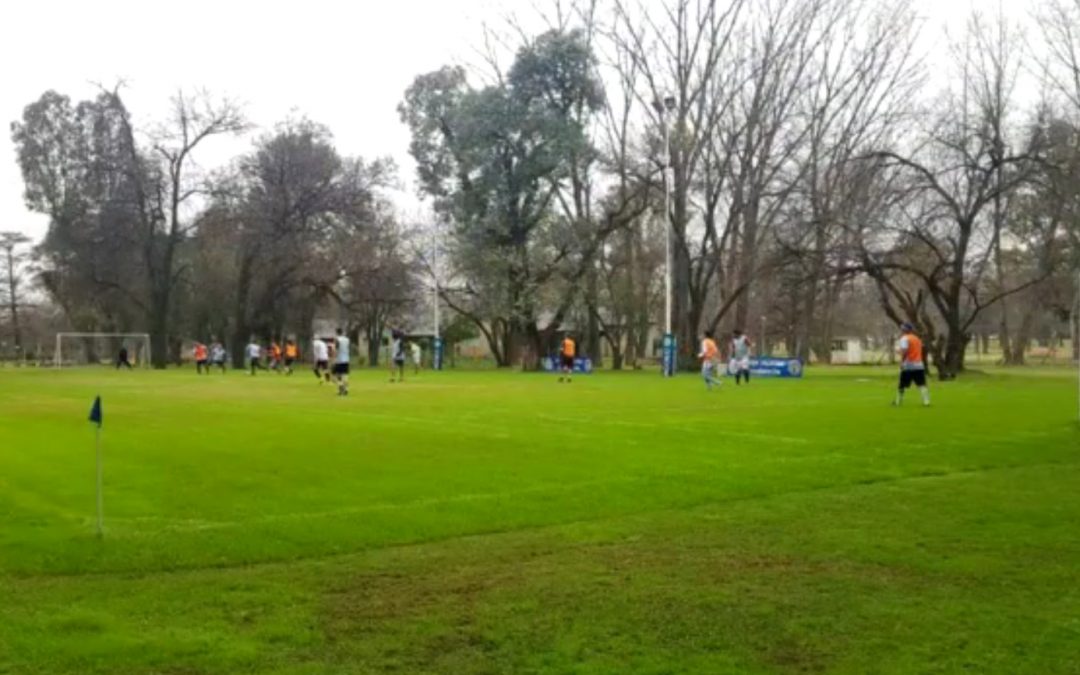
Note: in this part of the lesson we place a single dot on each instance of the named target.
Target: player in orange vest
(566, 357)
(708, 355)
(202, 360)
(291, 352)
(912, 365)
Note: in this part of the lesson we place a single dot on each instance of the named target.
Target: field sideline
(490, 522)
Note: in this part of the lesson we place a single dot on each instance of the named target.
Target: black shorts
(909, 377)
(289, 362)
(322, 365)
(399, 360)
(567, 362)
(201, 363)
(341, 369)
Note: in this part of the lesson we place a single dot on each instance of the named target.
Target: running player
(912, 365)
(217, 355)
(740, 356)
(397, 355)
(566, 357)
(291, 352)
(341, 362)
(254, 355)
(275, 356)
(321, 354)
(708, 355)
(202, 359)
(417, 356)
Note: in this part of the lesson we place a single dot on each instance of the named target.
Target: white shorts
(708, 368)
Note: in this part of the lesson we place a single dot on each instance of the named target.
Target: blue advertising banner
(437, 354)
(581, 365)
(768, 366)
(668, 355)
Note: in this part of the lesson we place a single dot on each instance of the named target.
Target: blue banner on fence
(437, 354)
(581, 364)
(668, 355)
(768, 366)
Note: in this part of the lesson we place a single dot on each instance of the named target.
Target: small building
(846, 351)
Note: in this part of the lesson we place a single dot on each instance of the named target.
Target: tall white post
(100, 496)
(667, 224)
(435, 274)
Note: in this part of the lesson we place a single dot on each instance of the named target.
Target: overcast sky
(342, 63)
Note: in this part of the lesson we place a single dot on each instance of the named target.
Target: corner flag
(96, 417)
(95, 412)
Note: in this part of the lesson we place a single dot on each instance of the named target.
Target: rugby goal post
(101, 348)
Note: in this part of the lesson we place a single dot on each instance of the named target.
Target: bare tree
(862, 80)
(679, 52)
(13, 271)
(965, 162)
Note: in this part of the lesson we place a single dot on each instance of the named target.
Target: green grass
(495, 522)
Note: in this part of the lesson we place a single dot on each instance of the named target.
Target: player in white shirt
(740, 356)
(254, 355)
(341, 362)
(417, 356)
(321, 354)
(217, 355)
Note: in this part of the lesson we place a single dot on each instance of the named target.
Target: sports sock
(925, 395)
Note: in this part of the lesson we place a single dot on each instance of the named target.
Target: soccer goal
(79, 349)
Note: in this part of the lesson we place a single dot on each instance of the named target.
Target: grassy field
(499, 522)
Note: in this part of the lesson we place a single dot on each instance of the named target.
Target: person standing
(321, 355)
(341, 362)
(567, 352)
(254, 354)
(122, 358)
(708, 354)
(397, 355)
(740, 356)
(912, 365)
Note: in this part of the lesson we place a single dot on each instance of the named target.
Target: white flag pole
(100, 499)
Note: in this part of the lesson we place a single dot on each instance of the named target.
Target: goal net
(80, 349)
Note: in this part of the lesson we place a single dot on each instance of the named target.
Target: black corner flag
(95, 412)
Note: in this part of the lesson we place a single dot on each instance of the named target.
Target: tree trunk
(681, 319)
(747, 262)
(159, 329)
(374, 344)
(592, 303)
(952, 359)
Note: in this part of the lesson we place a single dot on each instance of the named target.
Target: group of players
(739, 349)
(281, 360)
(909, 349)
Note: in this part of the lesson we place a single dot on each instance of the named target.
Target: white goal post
(101, 348)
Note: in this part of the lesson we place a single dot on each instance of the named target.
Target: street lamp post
(669, 344)
(437, 343)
